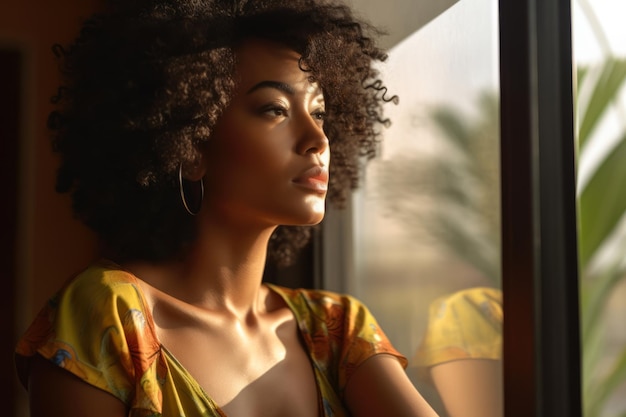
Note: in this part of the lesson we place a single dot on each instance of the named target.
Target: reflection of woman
(462, 352)
(189, 131)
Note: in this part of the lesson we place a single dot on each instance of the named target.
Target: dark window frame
(539, 239)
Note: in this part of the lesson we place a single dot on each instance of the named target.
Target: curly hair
(145, 82)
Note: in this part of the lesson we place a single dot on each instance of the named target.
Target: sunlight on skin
(463, 395)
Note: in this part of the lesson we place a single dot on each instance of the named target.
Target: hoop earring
(182, 192)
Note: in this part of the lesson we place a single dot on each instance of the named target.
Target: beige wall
(51, 245)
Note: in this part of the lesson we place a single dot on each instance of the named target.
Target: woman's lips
(314, 178)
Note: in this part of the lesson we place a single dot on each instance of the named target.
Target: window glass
(425, 225)
(600, 59)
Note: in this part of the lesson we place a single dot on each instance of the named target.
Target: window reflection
(426, 224)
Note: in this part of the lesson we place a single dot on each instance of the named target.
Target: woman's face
(267, 160)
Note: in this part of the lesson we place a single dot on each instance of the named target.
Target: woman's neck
(221, 272)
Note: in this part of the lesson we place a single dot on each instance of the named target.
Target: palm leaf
(611, 76)
(602, 202)
(581, 73)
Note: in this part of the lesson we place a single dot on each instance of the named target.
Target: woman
(191, 133)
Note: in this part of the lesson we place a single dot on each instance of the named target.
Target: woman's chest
(260, 371)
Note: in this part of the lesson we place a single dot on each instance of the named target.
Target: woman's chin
(311, 219)
(319, 209)
(315, 210)
(317, 220)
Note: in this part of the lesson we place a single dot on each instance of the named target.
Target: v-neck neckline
(187, 375)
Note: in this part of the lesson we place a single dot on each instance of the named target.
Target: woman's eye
(275, 111)
(319, 115)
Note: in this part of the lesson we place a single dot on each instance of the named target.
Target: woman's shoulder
(96, 327)
(317, 298)
(339, 328)
(340, 311)
(101, 296)
(103, 273)
(101, 282)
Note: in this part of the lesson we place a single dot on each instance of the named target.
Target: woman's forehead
(262, 60)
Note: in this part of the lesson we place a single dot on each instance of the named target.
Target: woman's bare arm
(54, 392)
(380, 387)
(470, 387)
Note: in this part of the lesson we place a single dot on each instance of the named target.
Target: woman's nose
(313, 139)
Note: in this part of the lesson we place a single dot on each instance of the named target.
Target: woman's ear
(195, 171)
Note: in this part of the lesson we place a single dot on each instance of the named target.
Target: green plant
(602, 209)
(602, 206)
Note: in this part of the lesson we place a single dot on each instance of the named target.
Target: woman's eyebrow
(284, 87)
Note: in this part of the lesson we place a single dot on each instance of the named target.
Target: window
(426, 223)
(528, 64)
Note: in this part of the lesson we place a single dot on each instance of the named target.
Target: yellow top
(466, 324)
(98, 327)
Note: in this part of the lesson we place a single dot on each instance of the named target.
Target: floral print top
(463, 325)
(98, 327)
